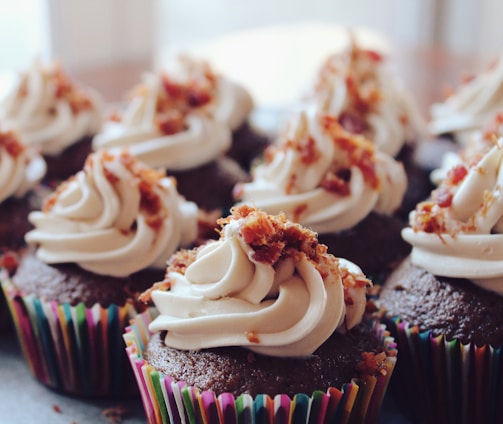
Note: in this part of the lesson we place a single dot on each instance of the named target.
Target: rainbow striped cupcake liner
(168, 401)
(73, 349)
(445, 381)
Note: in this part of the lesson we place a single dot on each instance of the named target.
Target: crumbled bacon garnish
(373, 364)
(170, 122)
(116, 414)
(456, 175)
(428, 221)
(357, 150)
(352, 123)
(335, 184)
(57, 409)
(309, 153)
(177, 99)
(146, 296)
(65, 89)
(272, 237)
(375, 56)
(442, 196)
(298, 211)
(181, 260)
(51, 200)
(11, 144)
(291, 184)
(252, 336)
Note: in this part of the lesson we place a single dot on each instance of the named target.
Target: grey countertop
(24, 400)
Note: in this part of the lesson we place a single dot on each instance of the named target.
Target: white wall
(93, 33)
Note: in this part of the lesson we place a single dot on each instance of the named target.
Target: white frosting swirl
(228, 298)
(48, 112)
(292, 182)
(21, 168)
(472, 106)
(359, 87)
(207, 130)
(115, 217)
(462, 237)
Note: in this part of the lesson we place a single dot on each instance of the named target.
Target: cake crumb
(115, 414)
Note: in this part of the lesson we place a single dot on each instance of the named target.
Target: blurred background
(271, 45)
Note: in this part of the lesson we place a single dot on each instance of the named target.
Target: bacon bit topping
(466, 79)
(375, 56)
(291, 184)
(10, 143)
(357, 150)
(352, 123)
(309, 152)
(57, 409)
(65, 89)
(116, 414)
(442, 197)
(335, 184)
(426, 220)
(252, 336)
(178, 99)
(269, 153)
(53, 198)
(9, 261)
(170, 122)
(456, 175)
(373, 364)
(272, 237)
(146, 296)
(298, 211)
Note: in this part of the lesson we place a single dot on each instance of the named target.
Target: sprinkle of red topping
(11, 144)
(358, 151)
(427, 221)
(252, 336)
(66, 90)
(456, 175)
(176, 100)
(442, 196)
(298, 211)
(373, 364)
(335, 184)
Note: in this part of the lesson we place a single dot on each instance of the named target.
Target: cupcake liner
(445, 381)
(169, 401)
(73, 349)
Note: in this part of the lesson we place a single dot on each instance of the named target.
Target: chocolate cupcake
(102, 236)
(51, 113)
(445, 302)
(337, 184)
(471, 106)
(263, 313)
(185, 122)
(359, 88)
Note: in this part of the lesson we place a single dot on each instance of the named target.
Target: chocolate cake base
(248, 144)
(454, 307)
(69, 161)
(374, 244)
(68, 283)
(210, 186)
(237, 370)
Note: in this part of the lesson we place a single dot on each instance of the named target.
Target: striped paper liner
(168, 401)
(73, 349)
(444, 381)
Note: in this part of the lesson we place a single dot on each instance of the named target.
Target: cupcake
(185, 122)
(102, 236)
(359, 88)
(337, 184)
(261, 325)
(54, 115)
(445, 302)
(471, 106)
